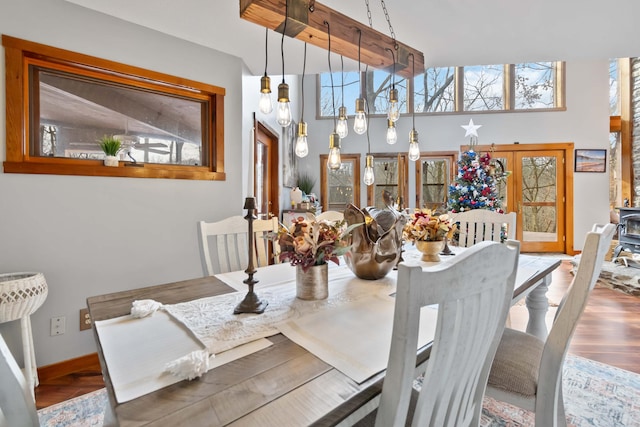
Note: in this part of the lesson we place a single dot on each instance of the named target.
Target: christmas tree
(475, 184)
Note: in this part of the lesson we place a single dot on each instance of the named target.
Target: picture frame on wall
(588, 160)
(289, 169)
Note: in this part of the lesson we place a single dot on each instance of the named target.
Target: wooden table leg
(538, 305)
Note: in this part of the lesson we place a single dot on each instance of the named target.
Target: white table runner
(355, 338)
(137, 350)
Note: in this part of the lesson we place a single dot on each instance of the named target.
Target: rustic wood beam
(307, 24)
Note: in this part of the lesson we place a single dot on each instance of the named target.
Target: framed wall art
(591, 160)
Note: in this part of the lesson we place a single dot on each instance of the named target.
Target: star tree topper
(472, 130)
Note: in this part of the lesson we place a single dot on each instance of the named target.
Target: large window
(374, 87)
(60, 104)
(512, 87)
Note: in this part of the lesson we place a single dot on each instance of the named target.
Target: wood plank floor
(608, 332)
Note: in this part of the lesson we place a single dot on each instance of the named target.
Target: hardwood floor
(608, 332)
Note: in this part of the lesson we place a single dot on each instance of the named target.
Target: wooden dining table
(281, 385)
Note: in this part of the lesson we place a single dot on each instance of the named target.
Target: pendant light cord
(359, 70)
(393, 75)
(333, 101)
(413, 73)
(284, 31)
(304, 67)
(266, 50)
(342, 78)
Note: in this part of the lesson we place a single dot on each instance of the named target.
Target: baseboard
(66, 367)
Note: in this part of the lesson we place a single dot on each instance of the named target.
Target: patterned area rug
(595, 395)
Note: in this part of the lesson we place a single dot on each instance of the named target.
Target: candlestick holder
(446, 250)
(251, 303)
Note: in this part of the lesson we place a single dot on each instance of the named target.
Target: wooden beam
(308, 26)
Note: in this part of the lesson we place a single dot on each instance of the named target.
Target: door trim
(567, 147)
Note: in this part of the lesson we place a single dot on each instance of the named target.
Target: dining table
(298, 364)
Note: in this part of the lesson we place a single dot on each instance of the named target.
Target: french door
(266, 172)
(537, 190)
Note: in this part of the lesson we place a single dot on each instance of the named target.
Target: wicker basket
(21, 294)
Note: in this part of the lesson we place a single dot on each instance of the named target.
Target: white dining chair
(17, 407)
(527, 372)
(478, 225)
(473, 294)
(224, 244)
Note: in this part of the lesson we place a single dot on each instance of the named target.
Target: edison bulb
(265, 104)
(414, 151)
(392, 135)
(368, 175)
(302, 146)
(342, 127)
(283, 114)
(360, 123)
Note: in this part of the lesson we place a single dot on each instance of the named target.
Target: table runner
(212, 320)
(137, 350)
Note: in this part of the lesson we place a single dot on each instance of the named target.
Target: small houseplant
(111, 146)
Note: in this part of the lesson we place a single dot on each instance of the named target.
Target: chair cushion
(516, 364)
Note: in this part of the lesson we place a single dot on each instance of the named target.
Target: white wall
(145, 229)
(585, 123)
(94, 235)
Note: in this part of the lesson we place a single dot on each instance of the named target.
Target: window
(614, 88)
(484, 88)
(390, 175)
(434, 174)
(61, 103)
(435, 90)
(340, 187)
(377, 84)
(527, 86)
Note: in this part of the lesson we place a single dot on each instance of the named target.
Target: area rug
(595, 395)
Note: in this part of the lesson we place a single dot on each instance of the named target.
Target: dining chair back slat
(224, 244)
(471, 318)
(478, 225)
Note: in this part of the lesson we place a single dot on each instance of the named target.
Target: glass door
(540, 200)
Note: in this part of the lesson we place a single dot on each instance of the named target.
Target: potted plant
(111, 146)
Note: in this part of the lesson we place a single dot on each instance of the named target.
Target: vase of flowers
(428, 230)
(308, 245)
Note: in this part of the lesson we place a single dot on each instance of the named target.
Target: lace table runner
(212, 320)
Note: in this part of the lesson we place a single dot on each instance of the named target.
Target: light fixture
(333, 162)
(283, 114)
(414, 145)
(305, 23)
(369, 177)
(302, 146)
(265, 104)
(393, 111)
(392, 134)
(360, 121)
(342, 128)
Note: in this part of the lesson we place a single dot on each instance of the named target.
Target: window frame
(458, 89)
(452, 158)
(20, 54)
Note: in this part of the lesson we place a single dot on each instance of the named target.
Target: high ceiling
(448, 32)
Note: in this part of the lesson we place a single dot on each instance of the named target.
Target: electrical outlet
(58, 325)
(85, 319)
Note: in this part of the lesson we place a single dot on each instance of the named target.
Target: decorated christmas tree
(475, 184)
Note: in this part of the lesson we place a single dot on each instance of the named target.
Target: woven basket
(21, 294)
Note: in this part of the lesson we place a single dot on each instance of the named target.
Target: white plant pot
(111, 161)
